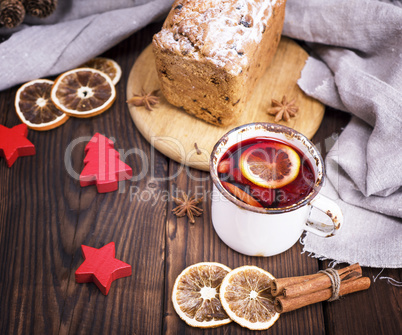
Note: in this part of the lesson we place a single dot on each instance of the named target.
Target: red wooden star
(101, 267)
(14, 143)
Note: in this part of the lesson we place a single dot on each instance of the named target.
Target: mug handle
(332, 210)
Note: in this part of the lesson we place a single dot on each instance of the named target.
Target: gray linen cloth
(77, 31)
(357, 68)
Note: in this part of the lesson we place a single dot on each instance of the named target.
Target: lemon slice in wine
(270, 164)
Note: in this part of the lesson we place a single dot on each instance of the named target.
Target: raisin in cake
(210, 54)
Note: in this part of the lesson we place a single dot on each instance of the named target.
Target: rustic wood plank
(32, 245)
(375, 311)
(187, 244)
(133, 219)
(46, 216)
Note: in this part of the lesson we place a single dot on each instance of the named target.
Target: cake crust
(210, 54)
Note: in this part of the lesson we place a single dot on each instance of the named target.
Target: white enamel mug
(258, 231)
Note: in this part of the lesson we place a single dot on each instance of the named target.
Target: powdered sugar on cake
(217, 31)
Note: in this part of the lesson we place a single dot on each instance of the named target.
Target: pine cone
(12, 13)
(40, 8)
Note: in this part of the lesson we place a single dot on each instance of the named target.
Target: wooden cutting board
(177, 134)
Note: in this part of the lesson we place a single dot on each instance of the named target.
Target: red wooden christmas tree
(103, 166)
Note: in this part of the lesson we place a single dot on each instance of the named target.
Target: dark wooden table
(45, 217)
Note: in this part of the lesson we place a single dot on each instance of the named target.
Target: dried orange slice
(106, 65)
(270, 164)
(246, 297)
(35, 108)
(83, 92)
(196, 295)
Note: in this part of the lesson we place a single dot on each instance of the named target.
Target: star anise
(187, 206)
(144, 99)
(283, 110)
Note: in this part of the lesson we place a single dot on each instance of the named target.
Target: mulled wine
(266, 172)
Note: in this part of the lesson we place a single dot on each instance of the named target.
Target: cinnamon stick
(287, 304)
(322, 282)
(278, 285)
(294, 286)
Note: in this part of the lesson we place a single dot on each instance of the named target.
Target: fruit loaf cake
(210, 54)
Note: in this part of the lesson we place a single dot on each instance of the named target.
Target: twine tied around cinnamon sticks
(296, 292)
(335, 282)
